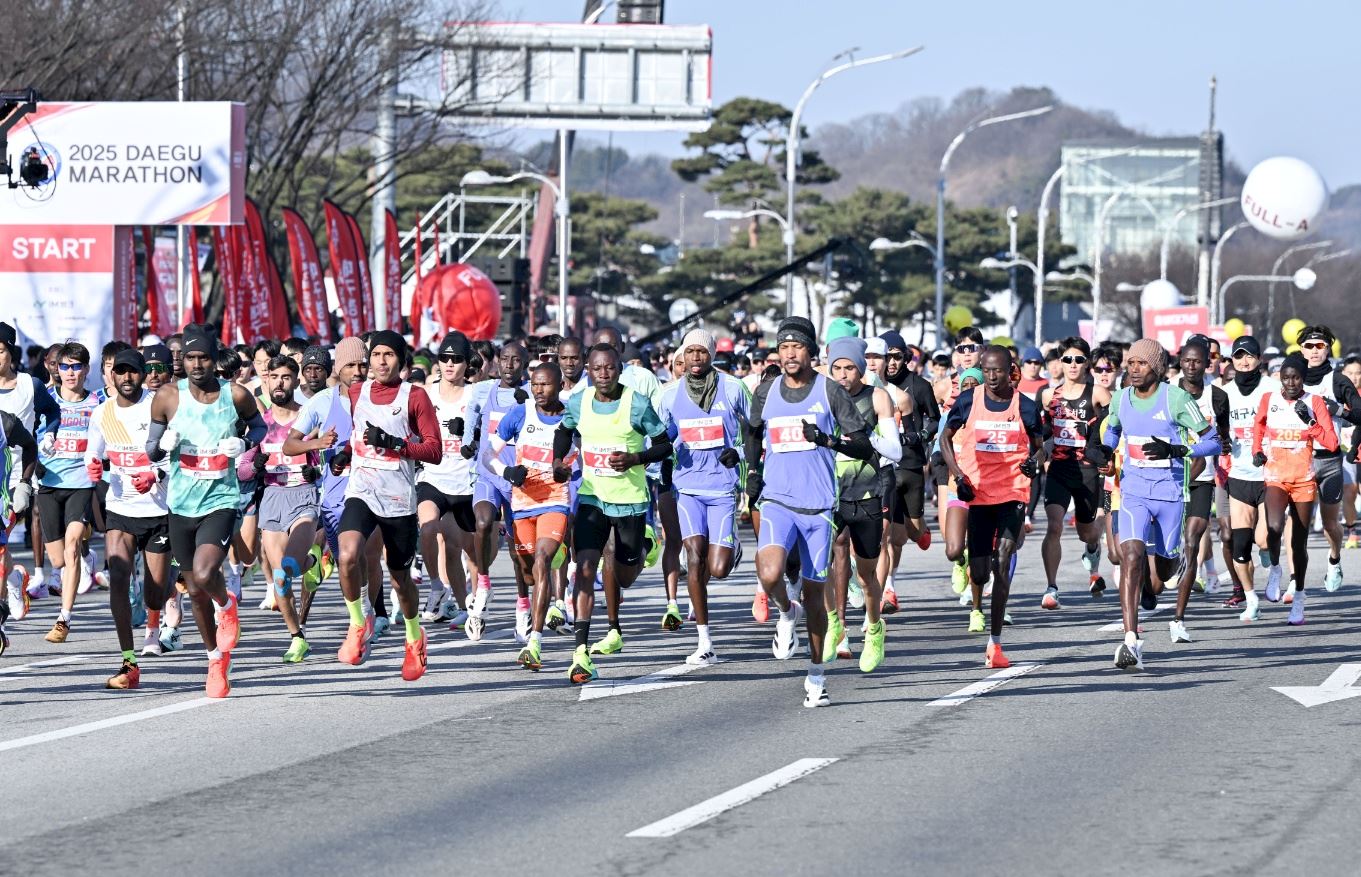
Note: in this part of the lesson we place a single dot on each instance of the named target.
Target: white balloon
(1160, 294)
(1283, 198)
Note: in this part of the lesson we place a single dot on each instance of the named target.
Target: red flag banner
(271, 284)
(195, 314)
(344, 267)
(365, 276)
(308, 288)
(256, 322)
(392, 273)
(224, 248)
(161, 282)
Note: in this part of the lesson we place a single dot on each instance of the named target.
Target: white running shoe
(1129, 657)
(1252, 610)
(1333, 580)
(794, 593)
(736, 554)
(473, 626)
(1297, 610)
(522, 626)
(854, 595)
(815, 692)
(702, 658)
(459, 619)
(381, 625)
(267, 604)
(37, 584)
(785, 645)
(170, 639)
(395, 616)
(480, 600)
(435, 605)
(1050, 600)
(1273, 584)
(1177, 629)
(1091, 560)
(15, 595)
(86, 580)
(151, 644)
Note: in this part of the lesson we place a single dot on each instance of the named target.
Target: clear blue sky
(1289, 74)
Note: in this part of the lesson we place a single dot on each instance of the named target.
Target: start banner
(1170, 327)
(134, 163)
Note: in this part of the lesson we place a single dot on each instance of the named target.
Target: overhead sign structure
(631, 77)
(135, 163)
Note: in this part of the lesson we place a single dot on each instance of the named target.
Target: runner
(999, 453)
(1246, 485)
(27, 398)
(1290, 424)
(1074, 408)
(1154, 420)
(1344, 406)
(135, 513)
(613, 423)
(800, 421)
(704, 413)
(14, 502)
(316, 370)
(964, 359)
(197, 422)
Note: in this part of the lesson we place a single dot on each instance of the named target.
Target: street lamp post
(1165, 251)
(1012, 264)
(1276, 269)
(1303, 279)
(561, 211)
(1215, 317)
(940, 199)
(791, 151)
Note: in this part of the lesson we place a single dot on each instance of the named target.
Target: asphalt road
(1064, 765)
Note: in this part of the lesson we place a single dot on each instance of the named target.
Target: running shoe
(760, 606)
(1097, 587)
(583, 668)
(1288, 595)
(815, 692)
(1177, 630)
(232, 578)
(736, 553)
(151, 643)
(127, 677)
(522, 626)
(1236, 599)
(1006, 618)
(612, 643)
(1251, 609)
(1199, 584)
(434, 605)
(987, 588)
(228, 626)
(924, 540)
(59, 632)
(672, 619)
(654, 546)
(219, 682)
(16, 587)
(474, 627)
(37, 585)
(316, 573)
(701, 658)
(1273, 584)
(4, 639)
(381, 625)
(1129, 657)
(785, 643)
(872, 654)
(170, 639)
(459, 621)
(267, 604)
(889, 605)
(959, 578)
(843, 648)
(836, 632)
(556, 619)
(395, 616)
(529, 656)
(1333, 580)
(298, 650)
(414, 660)
(1297, 610)
(358, 643)
(977, 624)
(87, 573)
(1212, 584)
(1050, 600)
(1091, 559)
(1263, 557)
(994, 658)
(1353, 541)
(1147, 599)
(854, 595)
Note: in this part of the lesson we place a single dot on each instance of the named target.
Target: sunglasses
(1308, 345)
(1103, 369)
(965, 348)
(70, 366)
(1032, 362)
(1069, 360)
(125, 370)
(157, 368)
(900, 355)
(452, 359)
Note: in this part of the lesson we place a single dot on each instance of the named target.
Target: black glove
(1304, 412)
(261, 458)
(561, 472)
(516, 475)
(1351, 455)
(455, 426)
(1029, 467)
(311, 474)
(964, 490)
(755, 484)
(913, 438)
(1160, 449)
(1099, 455)
(39, 470)
(1332, 406)
(468, 451)
(1259, 459)
(812, 434)
(520, 394)
(340, 460)
(1225, 447)
(937, 459)
(729, 457)
(377, 437)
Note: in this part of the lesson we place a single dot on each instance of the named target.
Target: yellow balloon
(1337, 347)
(1290, 332)
(957, 317)
(1233, 327)
(1004, 341)
(1293, 348)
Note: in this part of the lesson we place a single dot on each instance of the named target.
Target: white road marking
(90, 727)
(51, 662)
(650, 682)
(969, 692)
(1340, 685)
(1143, 616)
(464, 641)
(720, 804)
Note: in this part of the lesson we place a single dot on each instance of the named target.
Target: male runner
(800, 421)
(704, 413)
(316, 370)
(14, 502)
(1000, 452)
(135, 514)
(1246, 484)
(613, 423)
(1344, 406)
(198, 423)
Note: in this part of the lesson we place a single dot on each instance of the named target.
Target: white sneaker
(1129, 657)
(267, 604)
(815, 692)
(785, 645)
(1050, 600)
(1091, 560)
(86, 580)
(15, 596)
(1333, 580)
(987, 588)
(702, 658)
(395, 616)
(1251, 608)
(37, 584)
(1297, 610)
(854, 595)
(1177, 629)
(794, 592)
(473, 627)
(522, 626)
(151, 644)
(435, 604)
(1273, 584)
(170, 639)
(480, 600)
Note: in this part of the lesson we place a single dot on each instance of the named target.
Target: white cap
(876, 347)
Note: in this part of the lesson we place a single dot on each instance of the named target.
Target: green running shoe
(311, 580)
(297, 651)
(959, 576)
(872, 655)
(835, 631)
(672, 620)
(613, 642)
(976, 622)
(555, 619)
(529, 656)
(582, 669)
(654, 546)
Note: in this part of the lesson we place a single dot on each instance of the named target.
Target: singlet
(452, 475)
(1242, 413)
(497, 402)
(858, 479)
(202, 478)
(798, 474)
(1205, 402)
(382, 480)
(282, 470)
(699, 436)
(1285, 438)
(534, 450)
(66, 464)
(1139, 476)
(603, 435)
(1070, 423)
(996, 445)
(119, 435)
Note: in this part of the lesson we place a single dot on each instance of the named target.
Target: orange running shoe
(228, 626)
(219, 669)
(413, 665)
(760, 606)
(924, 540)
(994, 659)
(890, 602)
(355, 649)
(127, 677)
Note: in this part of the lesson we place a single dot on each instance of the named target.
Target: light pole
(791, 151)
(1010, 265)
(1101, 216)
(1214, 268)
(561, 211)
(1303, 279)
(1276, 269)
(885, 245)
(1177, 217)
(940, 198)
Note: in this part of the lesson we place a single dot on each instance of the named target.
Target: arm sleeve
(153, 441)
(256, 429)
(754, 437)
(94, 436)
(1031, 417)
(1324, 423)
(885, 441)
(510, 424)
(1110, 433)
(19, 437)
(1259, 423)
(854, 439)
(959, 412)
(562, 441)
(425, 444)
(472, 415)
(924, 402)
(45, 409)
(1220, 403)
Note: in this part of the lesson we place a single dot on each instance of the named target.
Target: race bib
(595, 460)
(1067, 433)
(535, 457)
(704, 433)
(1134, 447)
(452, 446)
(369, 457)
(203, 463)
(997, 436)
(128, 459)
(786, 434)
(70, 447)
(1289, 439)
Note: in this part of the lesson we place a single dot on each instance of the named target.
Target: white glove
(21, 499)
(47, 445)
(232, 447)
(170, 440)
